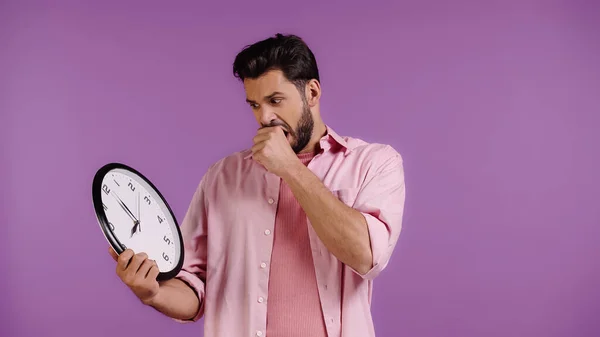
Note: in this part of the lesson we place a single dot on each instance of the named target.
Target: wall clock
(132, 213)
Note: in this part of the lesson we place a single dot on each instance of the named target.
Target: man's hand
(173, 297)
(272, 150)
(138, 273)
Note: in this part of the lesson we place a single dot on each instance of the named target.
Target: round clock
(132, 213)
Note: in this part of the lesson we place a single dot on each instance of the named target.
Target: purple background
(493, 106)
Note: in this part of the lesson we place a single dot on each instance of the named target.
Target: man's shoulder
(230, 163)
(374, 158)
(372, 151)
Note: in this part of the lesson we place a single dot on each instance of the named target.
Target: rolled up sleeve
(381, 201)
(193, 231)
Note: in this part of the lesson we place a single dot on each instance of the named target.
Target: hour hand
(134, 229)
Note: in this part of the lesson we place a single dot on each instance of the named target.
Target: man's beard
(303, 132)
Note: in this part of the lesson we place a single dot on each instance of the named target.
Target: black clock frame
(103, 221)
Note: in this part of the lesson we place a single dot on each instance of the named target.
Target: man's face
(277, 102)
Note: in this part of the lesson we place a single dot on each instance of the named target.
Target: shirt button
(259, 333)
(261, 299)
(271, 201)
(267, 232)
(263, 265)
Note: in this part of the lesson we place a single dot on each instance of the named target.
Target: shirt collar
(329, 140)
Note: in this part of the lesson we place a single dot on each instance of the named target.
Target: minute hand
(125, 208)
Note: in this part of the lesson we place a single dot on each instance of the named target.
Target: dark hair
(287, 53)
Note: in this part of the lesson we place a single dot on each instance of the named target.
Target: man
(285, 238)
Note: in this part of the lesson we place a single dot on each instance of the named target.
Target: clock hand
(134, 229)
(125, 208)
(138, 212)
(136, 222)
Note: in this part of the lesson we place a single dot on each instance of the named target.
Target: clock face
(133, 214)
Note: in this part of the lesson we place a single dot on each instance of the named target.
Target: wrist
(292, 171)
(153, 300)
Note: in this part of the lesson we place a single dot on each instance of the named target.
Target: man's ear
(313, 92)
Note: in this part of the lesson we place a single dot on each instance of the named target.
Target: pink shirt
(228, 237)
(294, 304)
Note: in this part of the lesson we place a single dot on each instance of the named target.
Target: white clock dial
(139, 219)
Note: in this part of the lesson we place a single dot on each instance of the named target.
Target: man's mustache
(282, 124)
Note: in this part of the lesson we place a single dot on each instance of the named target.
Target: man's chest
(243, 205)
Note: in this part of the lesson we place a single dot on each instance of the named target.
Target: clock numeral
(104, 206)
(160, 220)
(165, 256)
(105, 189)
(116, 182)
(131, 186)
(111, 226)
(167, 240)
(146, 199)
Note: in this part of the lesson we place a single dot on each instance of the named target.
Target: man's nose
(266, 116)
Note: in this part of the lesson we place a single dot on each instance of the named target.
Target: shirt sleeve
(193, 230)
(381, 201)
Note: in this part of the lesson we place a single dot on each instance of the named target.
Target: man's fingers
(257, 147)
(267, 133)
(136, 262)
(145, 267)
(123, 259)
(112, 253)
(260, 138)
(267, 129)
(153, 272)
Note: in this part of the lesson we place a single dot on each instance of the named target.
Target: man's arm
(173, 297)
(342, 229)
(182, 297)
(189, 284)
(176, 299)
(360, 237)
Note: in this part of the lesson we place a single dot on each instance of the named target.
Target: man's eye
(275, 100)
(253, 105)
